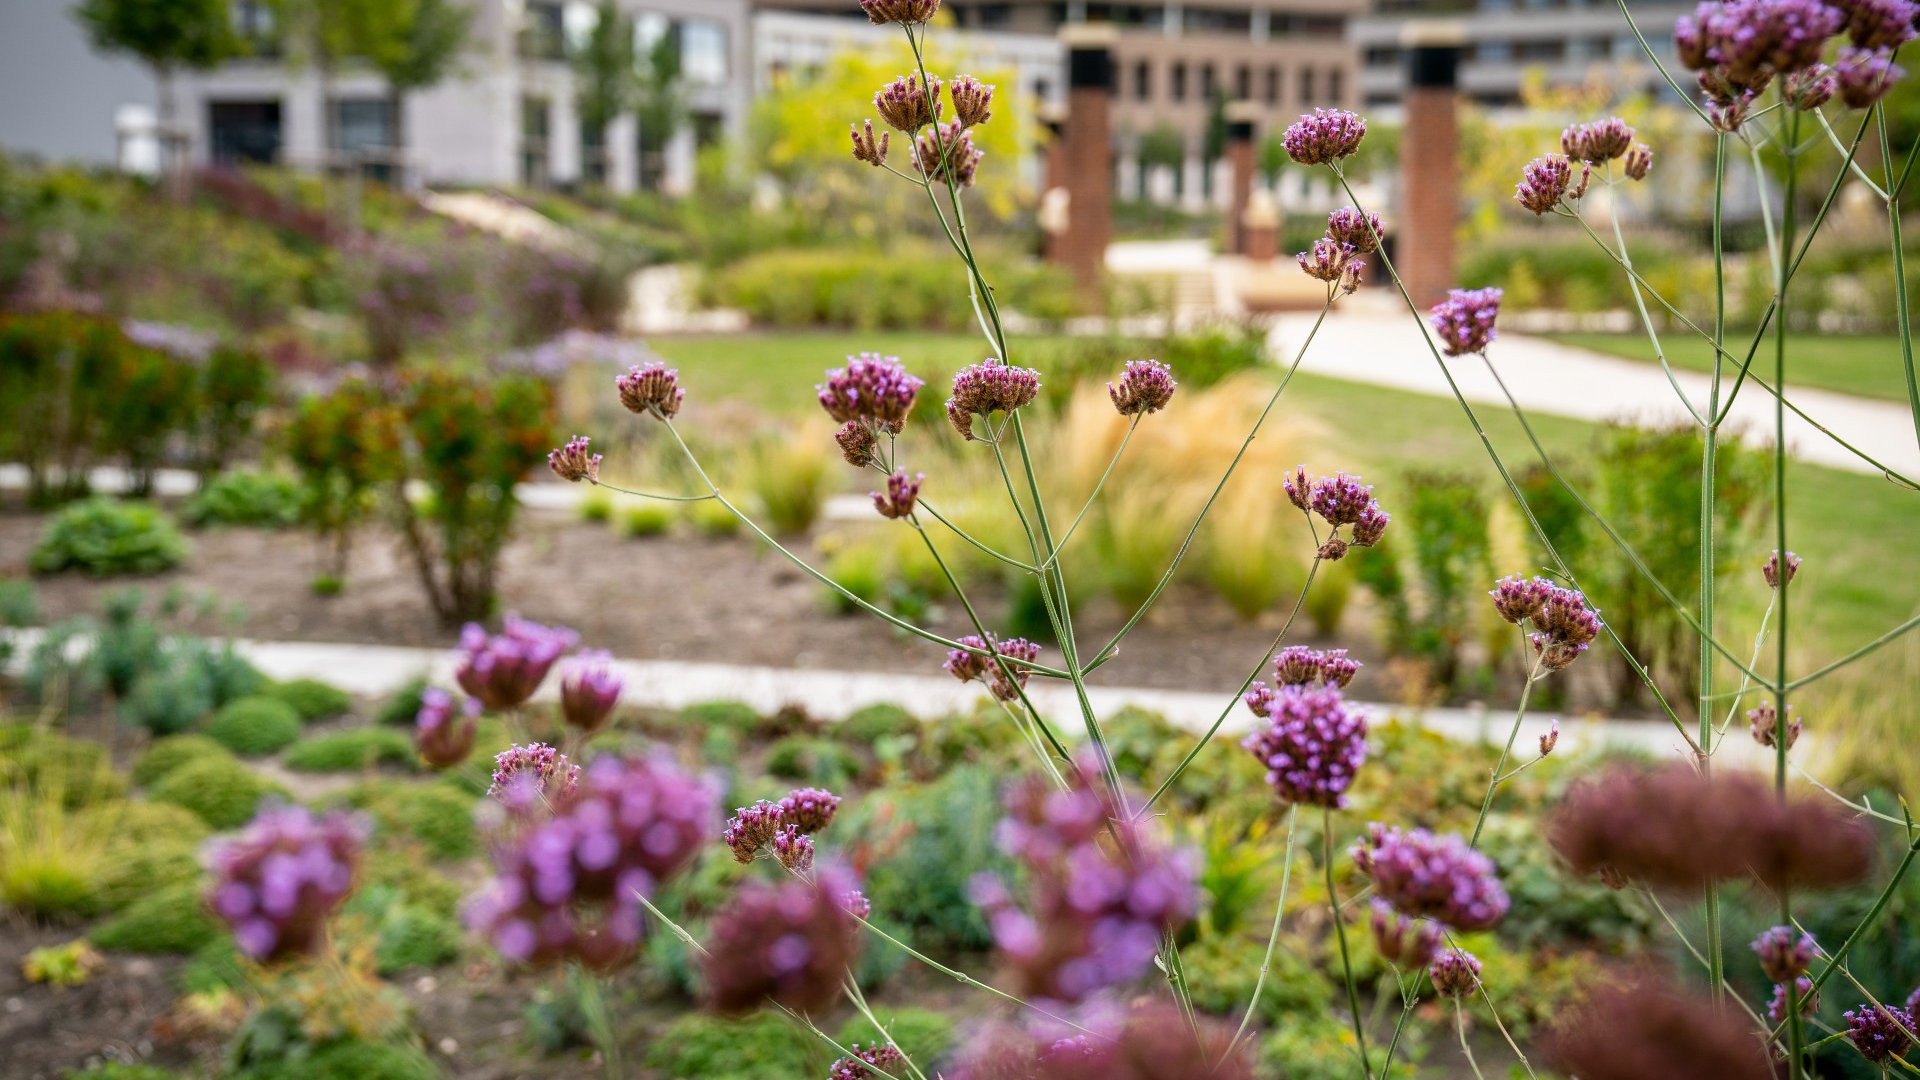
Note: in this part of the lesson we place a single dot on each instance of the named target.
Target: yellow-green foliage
(52, 857)
(66, 965)
(168, 754)
(650, 518)
(791, 475)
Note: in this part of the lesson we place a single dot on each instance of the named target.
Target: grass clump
(352, 751)
(172, 920)
(312, 699)
(219, 791)
(255, 726)
(166, 755)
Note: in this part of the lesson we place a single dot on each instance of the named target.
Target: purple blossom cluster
(567, 887)
(1638, 161)
(1404, 942)
(651, 388)
(804, 811)
(790, 943)
(1805, 994)
(1361, 232)
(1563, 626)
(443, 730)
(1879, 1032)
(1878, 24)
(887, 1057)
(1545, 181)
(1739, 46)
(901, 495)
(1434, 877)
(1863, 76)
(872, 390)
(1301, 665)
(1340, 500)
(1784, 953)
(1101, 889)
(277, 882)
(1324, 136)
(1333, 262)
(575, 461)
(966, 665)
(866, 148)
(946, 153)
(1312, 743)
(503, 670)
(989, 386)
(1464, 321)
(903, 12)
(1763, 723)
(1456, 975)
(857, 443)
(793, 849)
(906, 105)
(1146, 1041)
(1597, 143)
(1145, 387)
(1809, 88)
(589, 690)
(972, 100)
(1772, 570)
(526, 777)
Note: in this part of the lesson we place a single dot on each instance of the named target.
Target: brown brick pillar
(1087, 156)
(1260, 228)
(1430, 165)
(1240, 118)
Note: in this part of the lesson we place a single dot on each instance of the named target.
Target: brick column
(1430, 163)
(1053, 183)
(1240, 118)
(1086, 156)
(1260, 228)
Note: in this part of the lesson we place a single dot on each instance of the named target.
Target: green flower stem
(1709, 453)
(1493, 785)
(1859, 173)
(1904, 317)
(1640, 305)
(1340, 932)
(1872, 646)
(1205, 740)
(968, 980)
(1460, 1025)
(650, 494)
(1796, 1037)
(1273, 938)
(804, 1022)
(1486, 443)
(1504, 1034)
(1108, 651)
(679, 931)
(859, 1000)
(1654, 59)
(1132, 423)
(1009, 560)
(1873, 916)
(1409, 999)
(593, 1004)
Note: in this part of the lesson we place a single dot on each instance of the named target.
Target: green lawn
(1869, 365)
(1850, 527)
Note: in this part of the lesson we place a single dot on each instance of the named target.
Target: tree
(1272, 157)
(1164, 145)
(166, 35)
(658, 105)
(605, 74)
(413, 43)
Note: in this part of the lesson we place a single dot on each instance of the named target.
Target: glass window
(1177, 81)
(1207, 82)
(543, 32)
(362, 124)
(1273, 85)
(1306, 88)
(1143, 80)
(703, 51)
(648, 28)
(1243, 82)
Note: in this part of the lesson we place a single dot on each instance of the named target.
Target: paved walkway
(1376, 341)
(377, 670)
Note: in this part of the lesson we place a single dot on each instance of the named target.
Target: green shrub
(790, 478)
(709, 518)
(647, 519)
(759, 1047)
(928, 841)
(352, 751)
(873, 289)
(1443, 547)
(402, 708)
(219, 791)
(347, 1059)
(172, 752)
(173, 920)
(215, 966)
(868, 725)
(76, 770)
(255, 726)
(595, 506)
(114, 1070)
(439, 815)
(311, 698)
(736, 715)
(154, 846)
(814, 760)
(412, 938)
(404, 866)
(108, 538)
(266, 500)
(926, 1036)
(1320, 1047)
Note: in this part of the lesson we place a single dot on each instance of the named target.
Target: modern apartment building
(1508, 41)
(508, 116)
(1174, 61)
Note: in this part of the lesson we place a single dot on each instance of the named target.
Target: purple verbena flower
(1101, 889)
(1879, 1031)
(1145, 387)
(866, 148)
(278, 881)
(1456, 975)
(1810, 88)
(589, 689)
(528, 776)
(857, 443)
(901, 494)
(752, 828)
(1361, 232)
(886, 1057)
(1300, 665)
(1879, 24)
(575, 461)
(1519, 599)
(906, 105)
(1808, 997)
(809, 809)
(872, 389)
(1434, 877)
(987, 387)
(1746, 43)
(1341, 499)
(503, 670)
(1865, 75)
(904, 12)
(1770, 570)
(790, 943)
(1324, 136)
(1464, 321)
(1329, 260)
(1764, 724)
(1402, 941)
(1597, 143)
(972, 100)
(1784, 953)
(1544, 181)
(1312, 742)
(651, 388)
(443, 734)
(946, 152)
(1638, 161)
(793, 848)
(1565, 626)
(1551, 739)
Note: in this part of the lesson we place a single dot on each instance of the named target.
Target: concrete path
(377, 670)
(1375, 340)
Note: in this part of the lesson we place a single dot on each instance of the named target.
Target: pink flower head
(1464, 320)
(443, 733)
(589, 689)
(278, 882)
(503, 670)
(651, 388)
(901, 494)
(989, 386)
(872, 389)
(1312, 743)
(1324, 136)
(1145, 387)
(575, 461)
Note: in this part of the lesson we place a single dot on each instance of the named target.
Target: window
(1243, 83)
(1306, 88)
(703, 51)
(1177, 81)
(362, 124)
(1143, 80)
(1208, 84)
(1494, 52)
(243, 131)
(1273, 85)
(1335, 80)
(1381, 56)
(543, 32)
(253, 25)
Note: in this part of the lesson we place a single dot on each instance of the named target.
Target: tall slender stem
(1709, 451)
(1493, 784)
(1795, 1035)
(1340, 932)
(1273, 938)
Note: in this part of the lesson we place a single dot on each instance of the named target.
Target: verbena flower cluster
(966, 665)
(1671, 828)
(1780, 569)
(1763, 723)
(1642, 1028)
(1456, 974)
(1739, 47)
(504, 670)
(901, 494)
(1339, 500)
(651, 388)
(872, 390)
(525, 777)
(790, 943)
(1545, 181)
(887, 1057)
(1312, 743)
(1563, 625)
(574, 461)
(1145, 387)
(277, 882)
(1337, 257)
(903, 12)
(1464, 321)
(1324, 136)
(567, 886)
(753, 828)
(1300, 665)
(1432, 877)
(946, 153)
(1879, 1032)
(989, 386)
(443, 730)
(1101, 887)
(589, 690)
(1784, 953)
(1597, 143)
